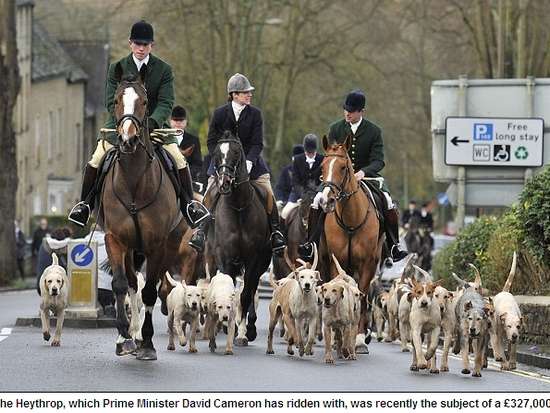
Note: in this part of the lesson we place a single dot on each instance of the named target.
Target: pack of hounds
(416, 310)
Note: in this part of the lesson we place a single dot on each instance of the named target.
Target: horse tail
(173, 282)
(55, 260)
(512, 274)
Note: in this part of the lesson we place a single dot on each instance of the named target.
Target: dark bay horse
(140, 213)
(352, 230)
(239, 238)
(296, 224)
(419, 241)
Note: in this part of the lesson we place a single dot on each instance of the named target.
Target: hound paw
(289, 351)
(56, 342)
(329, 360)
(498, 358)
(422, 365)
(505, 368)
(192, 350)
(476, 374)
(513, 366)
(414, 367)
(46, 336)
(465, 371)
(430, 354)
(434, 371)
(405, 350)
(170, 347)
(269, 352)
(444, 368)
(228, 352)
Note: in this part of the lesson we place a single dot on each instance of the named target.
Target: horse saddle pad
(374, 193)
(169, 165)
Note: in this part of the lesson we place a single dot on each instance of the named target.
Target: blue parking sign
(483, 131)
(82, 255)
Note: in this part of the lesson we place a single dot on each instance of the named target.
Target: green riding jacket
(159, 83)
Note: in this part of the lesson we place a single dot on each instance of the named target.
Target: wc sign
(483, 131)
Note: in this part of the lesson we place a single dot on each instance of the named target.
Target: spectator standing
(56, 242)
(20, 247)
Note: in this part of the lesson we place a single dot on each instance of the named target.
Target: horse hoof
(368, 337)
(126, 347)
(405, 350)
(241, 342)
(379, 339)
(320, 337)
(465, 371)
(474, 374)
(146, 354)
(46, 336)
(251, 333)
(362, 349)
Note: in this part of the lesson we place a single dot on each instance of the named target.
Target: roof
(93, 58)
(49, 59)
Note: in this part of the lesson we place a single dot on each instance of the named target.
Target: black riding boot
(81, 211)
(278, 243)
(193, 211)
(316, 222)
(391, 217)
(198, 239)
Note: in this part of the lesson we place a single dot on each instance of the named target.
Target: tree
(9, 88)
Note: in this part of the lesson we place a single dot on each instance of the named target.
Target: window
(60, 146)
(37, 139)
(51, 131)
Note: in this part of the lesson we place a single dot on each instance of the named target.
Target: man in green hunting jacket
(159, 83)
(367, 156)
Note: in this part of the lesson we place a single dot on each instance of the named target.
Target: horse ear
(347, 143)
(325, 143)
(118, 72)
(142, 74)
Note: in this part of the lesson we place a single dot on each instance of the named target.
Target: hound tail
(272, 279)
(55, 260)
(170, 279)
(459, 280)
(512, 274)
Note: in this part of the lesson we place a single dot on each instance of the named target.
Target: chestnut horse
(352, 230)
(140, 213)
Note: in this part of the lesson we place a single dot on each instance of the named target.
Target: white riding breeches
(288, 208)
(103, 146)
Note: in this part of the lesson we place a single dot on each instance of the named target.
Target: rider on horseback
(245, 122)
(367, 156)
(160, 95)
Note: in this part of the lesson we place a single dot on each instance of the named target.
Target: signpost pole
(461, 176)
(530, 113)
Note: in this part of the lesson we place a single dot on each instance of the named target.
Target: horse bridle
(230, 170)
(341, 194)
(140, 124)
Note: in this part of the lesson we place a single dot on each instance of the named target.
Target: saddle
(375, 195)
(164, 157)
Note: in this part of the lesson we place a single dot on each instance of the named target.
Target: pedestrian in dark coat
(179, 121)
(39, 233)
(20, 249)
(57, 243)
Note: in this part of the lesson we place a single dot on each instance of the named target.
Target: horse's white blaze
(326, 190)
(224, 148)
(129, 98)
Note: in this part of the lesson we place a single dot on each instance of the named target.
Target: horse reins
(342, 195)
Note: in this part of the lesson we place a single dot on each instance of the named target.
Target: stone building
(49, 122)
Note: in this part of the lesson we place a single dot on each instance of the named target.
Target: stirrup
(305, 251)
(196, 213)
(279, 248)
(397, 254)
(79, 215)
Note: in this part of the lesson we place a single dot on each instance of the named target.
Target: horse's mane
(228, 137)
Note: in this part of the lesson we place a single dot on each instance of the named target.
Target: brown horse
(352, 230)
(140, 213)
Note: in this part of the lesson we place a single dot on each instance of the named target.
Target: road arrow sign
(82, 255)
(456, 140)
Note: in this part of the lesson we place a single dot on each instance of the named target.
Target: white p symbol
(481, 130)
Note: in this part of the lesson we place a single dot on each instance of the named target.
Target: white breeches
(103, 146)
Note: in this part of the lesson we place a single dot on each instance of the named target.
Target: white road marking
(6, 331)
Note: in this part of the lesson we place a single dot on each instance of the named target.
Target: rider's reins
(142, 128)
(230, 171)
(342, 196)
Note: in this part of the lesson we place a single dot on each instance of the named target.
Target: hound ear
(410, 297)
(503, 317)
(487, 310)
(118, 72)
(325, 143)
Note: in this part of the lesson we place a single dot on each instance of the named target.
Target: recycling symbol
(521, 153)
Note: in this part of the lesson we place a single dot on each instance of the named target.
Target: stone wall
(536, 325)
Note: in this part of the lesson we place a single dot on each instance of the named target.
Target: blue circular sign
(82, 255)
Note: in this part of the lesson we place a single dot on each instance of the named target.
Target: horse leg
(251, 279)
(135, 324)
(116, 251)
(149, 296)
(368, 270)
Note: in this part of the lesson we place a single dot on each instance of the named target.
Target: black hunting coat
(303, 177)
(195, 160)
(249, 130)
